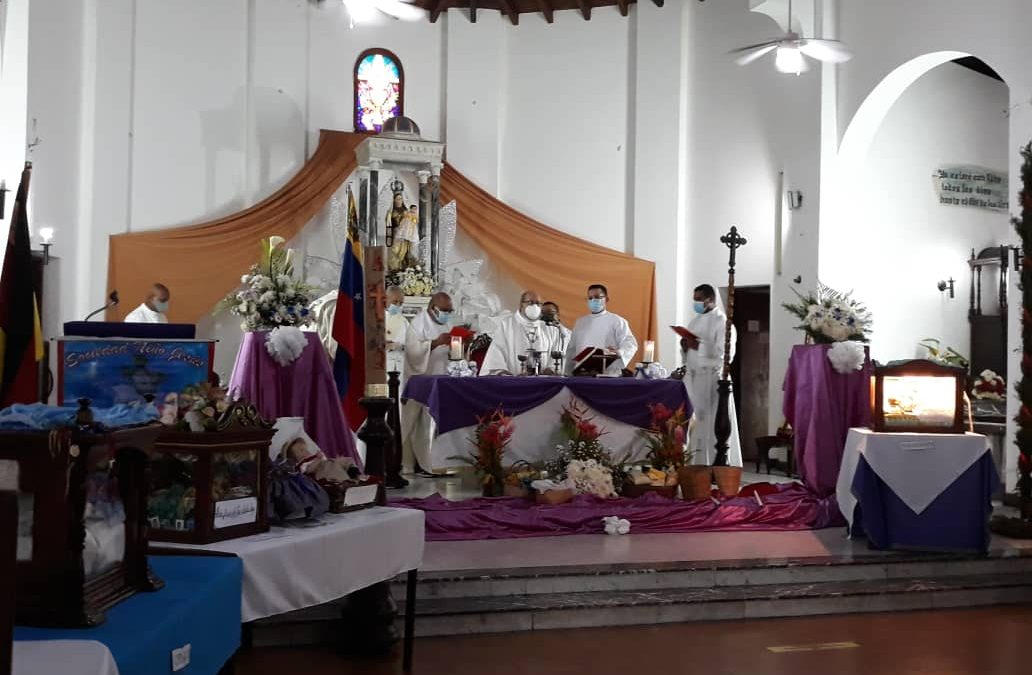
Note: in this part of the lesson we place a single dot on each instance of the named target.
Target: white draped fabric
(289, 568)
(604, 330)
(49, 657)
(916, 467)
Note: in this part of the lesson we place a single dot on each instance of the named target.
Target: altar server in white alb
(427, 341)
(704, 360)
(153, 309)
(514, 336)
(397, 327)
(602, 329)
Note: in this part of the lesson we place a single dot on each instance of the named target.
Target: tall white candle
(456, 348)
(650, 351)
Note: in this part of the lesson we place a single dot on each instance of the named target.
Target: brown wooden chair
(783, 439)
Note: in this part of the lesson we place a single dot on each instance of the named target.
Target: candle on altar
(650, 351)
(456, 348)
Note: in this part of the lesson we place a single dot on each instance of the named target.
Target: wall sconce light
(947, 286)
(46, 236)
(794, 199)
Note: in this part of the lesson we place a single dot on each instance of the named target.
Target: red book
(462, 332)
(685, 333)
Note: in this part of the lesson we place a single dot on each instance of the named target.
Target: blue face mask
(699, 307)
(161, 306)
(443, 317)
(596, 305)
(394, 310)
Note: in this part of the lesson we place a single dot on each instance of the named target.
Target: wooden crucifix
(722, 423)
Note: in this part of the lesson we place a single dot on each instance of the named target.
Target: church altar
(305, 388)
(620, 406)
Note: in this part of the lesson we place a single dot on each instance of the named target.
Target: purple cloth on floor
(305, 389)
(457, 402)
(822, 405)
(958, 519)
(792, 507)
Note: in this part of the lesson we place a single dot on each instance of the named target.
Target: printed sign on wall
(972, 186)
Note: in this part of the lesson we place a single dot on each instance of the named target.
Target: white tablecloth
(536, 435)
(62, 657)
(916, 467)
(289, 568)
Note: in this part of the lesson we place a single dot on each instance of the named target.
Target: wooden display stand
(918, 369)
(241, 440)
(54, 467)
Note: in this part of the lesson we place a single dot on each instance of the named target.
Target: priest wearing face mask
(704, 360)
(153, 309)
(397, 326)
(513, 337)
(602, 329)
(427, 342)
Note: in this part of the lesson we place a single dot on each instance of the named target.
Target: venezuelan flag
(349, 328)
(21, 338)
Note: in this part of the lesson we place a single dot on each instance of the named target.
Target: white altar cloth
(304, 565)
(917, 467)
(64, 657)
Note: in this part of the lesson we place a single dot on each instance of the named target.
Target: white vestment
(702, 372)
(606, 331)
(323, 310)
(512, 339)
(397, 327)
(417, 427)
(144, 314)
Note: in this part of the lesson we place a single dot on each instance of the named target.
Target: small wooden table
(764, 444)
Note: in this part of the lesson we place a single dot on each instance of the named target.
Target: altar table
(199, 606)
(309, 563)
(620, 407)
(305, 388)
(918, 491)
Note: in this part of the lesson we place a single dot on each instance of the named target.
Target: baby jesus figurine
(319, 466)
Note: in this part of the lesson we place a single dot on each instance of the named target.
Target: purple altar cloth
(305, 389)
(457, 402)
(822, 405)
(792, 507)
(958, 519)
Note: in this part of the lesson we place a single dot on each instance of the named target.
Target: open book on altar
(593, 361)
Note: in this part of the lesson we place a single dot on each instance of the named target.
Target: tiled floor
(955, 642)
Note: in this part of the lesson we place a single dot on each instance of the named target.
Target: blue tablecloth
(457, 402)
(958, 519)
(199, 606)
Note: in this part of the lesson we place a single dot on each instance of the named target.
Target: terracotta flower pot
(729, 479)
(632, 491)
(695, 481)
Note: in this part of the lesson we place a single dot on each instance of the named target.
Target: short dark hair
(605, 291)
(549, 302)
(161, 288)
(706, 291)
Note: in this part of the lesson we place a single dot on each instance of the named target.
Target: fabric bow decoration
(285, 344)
(616, 525)
(846, 357)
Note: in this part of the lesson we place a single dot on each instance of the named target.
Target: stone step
(505, 583)
(542, 611)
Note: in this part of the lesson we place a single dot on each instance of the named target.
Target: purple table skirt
(457, 402)
(305, 389)
(791, 508)
(822, 405)
(958, 519)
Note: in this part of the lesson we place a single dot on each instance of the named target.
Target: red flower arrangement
(493, 432)
(990, 386)
(666, 436)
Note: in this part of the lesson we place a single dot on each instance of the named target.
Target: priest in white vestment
(515, 334)
(397, 327)
(427, 342)
(602, 329)
(550, 317)
(153, 309)
(704, 361)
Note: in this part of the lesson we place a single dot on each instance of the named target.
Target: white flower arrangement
(828, 316)
(285, 344)
(616, 525)
(590, 477)
(412, 281)
(270, 296)
(847, 357)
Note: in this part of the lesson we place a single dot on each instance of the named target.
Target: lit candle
(46, 234)
(650, 351)
(456, 348)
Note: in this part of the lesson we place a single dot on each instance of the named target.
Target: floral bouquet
(666, 436)
(828, 316)
(590, 477)
(412, 281)
(582, 442)
(493, 432)
(945, 355)
(989, 386)
(270, 296)
(196, 408)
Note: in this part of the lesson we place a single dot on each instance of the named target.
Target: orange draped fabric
(202, 263)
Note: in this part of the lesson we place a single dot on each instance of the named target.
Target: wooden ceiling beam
(509, 11)
(546, 9)
(585, 9)
(472, 11)
(436, 7)
(622, 4)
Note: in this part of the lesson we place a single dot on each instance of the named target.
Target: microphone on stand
(112, 301)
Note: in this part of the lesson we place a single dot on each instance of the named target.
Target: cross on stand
(722, 423)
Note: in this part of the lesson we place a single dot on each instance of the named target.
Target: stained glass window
(379, 89)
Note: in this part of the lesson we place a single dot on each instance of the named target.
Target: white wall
(950, 116)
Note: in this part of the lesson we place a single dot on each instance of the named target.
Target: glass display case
(918, 396)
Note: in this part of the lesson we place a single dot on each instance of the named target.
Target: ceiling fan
(375, 11)
(791, 48)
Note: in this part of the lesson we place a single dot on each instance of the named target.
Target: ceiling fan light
(789, 60)
(360, 11)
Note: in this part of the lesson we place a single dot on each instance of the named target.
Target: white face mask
(532, 312)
